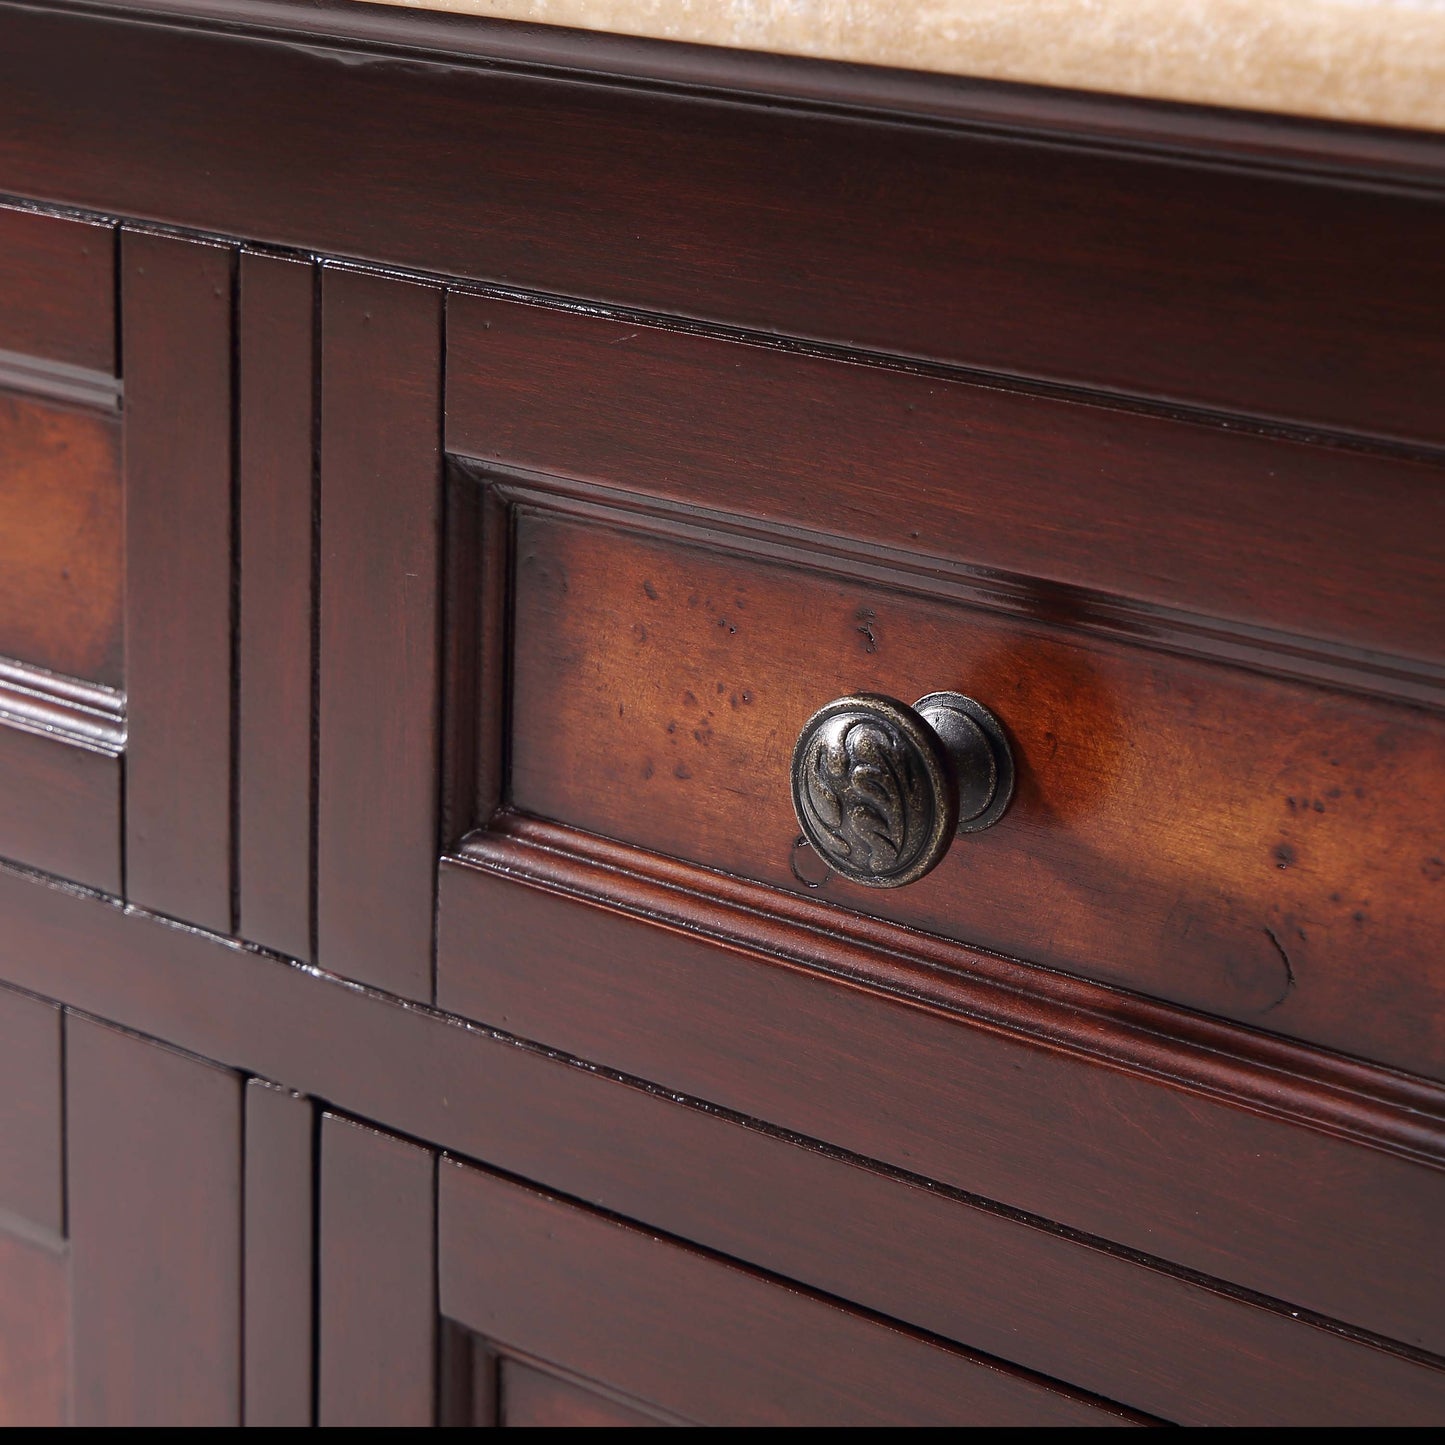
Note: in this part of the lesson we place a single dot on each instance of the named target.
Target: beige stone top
(1380, 61)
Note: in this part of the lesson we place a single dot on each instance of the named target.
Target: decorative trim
(83, 714)
(1080, 610)
(58, 381)
(1374, 155)
(1365, 1103)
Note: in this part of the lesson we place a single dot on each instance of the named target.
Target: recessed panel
(61, 571)
(1257, 848)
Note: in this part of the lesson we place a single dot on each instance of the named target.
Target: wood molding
(1373, 154)
(59, 381)
(62, 744)
(83, 714)
(1088, 612)
(1198, 246)
(536, 1274)
(1267, 1074)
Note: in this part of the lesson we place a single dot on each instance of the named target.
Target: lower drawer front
(698, 1339)
(1260, 849)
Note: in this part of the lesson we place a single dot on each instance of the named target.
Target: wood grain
(997, 1112)
(1054, 508)
(1143, 273)
(277, 502)
(57, 288)
(34, 1333)
(61, 562)
(153, 1149)
(177, 302)
(381, 502)
(698, 1337)
(32, 1142)
(280, 1225)
(1258, 849)
(60, 804)
(538, 1399)
(378, 1314)
(1017, 1288)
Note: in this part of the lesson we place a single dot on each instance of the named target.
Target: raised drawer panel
(62, 538)
(1256, 848)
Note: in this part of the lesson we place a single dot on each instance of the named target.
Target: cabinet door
(121, 1233)
(541, 1311)
(116, 503)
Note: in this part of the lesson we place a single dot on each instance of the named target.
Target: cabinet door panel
(153, 1143)
(377, 1279)
(34, 1332)
(280, 1227)
(34, 1268)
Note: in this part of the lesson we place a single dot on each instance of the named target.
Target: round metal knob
(881, 788)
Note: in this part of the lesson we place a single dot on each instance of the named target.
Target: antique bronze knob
(881, 788)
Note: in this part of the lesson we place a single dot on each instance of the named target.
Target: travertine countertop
(1366, 60)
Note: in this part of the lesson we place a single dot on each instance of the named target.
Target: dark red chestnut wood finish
(1253, 848)
(153, 1146)
(708, 1341)
(276, 564)
(801, 1211)
(1236, 286)
(377, 1305)
(279, 1260)
(57, 292)
(442, 464)
(380, 520)
(541, 1399)
(61, 548)
(177, 300)
(1227, 542)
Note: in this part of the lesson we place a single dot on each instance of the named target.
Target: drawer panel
(698, 1337)
(61, 563)
(1257, 848)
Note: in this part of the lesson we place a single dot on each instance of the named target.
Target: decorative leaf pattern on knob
(868, 794)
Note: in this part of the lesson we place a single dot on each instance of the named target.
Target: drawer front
(700, 1339)
(1208, 809)
(1259, 849)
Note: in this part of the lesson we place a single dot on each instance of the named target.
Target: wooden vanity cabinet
(443, 466)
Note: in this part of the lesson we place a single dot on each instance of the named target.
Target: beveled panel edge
(83, 714)
(1072, 609)
(1373, 154)
(59, 381)
(1335, 1094)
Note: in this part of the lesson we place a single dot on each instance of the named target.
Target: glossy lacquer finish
(477, 499)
